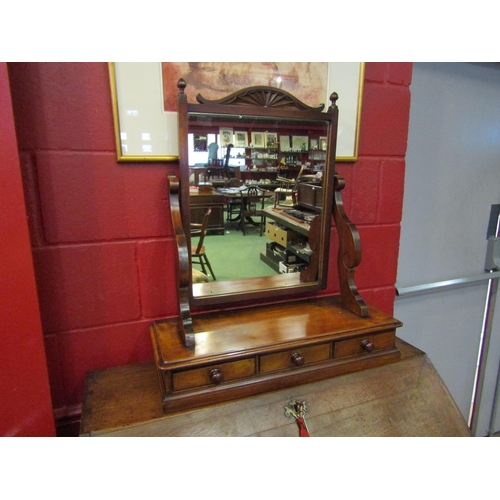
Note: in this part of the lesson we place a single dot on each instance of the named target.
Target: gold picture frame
(226, 136)
(271, 140)
(144, 132)
(240, 139)
(258, 140)
(300, 143)
(284, 143)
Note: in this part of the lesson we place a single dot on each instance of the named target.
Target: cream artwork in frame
(258, 140)
(146, 127)
(241, 139)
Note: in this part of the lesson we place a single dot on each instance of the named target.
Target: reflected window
(198, 150)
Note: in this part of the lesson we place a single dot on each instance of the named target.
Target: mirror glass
(263, 242)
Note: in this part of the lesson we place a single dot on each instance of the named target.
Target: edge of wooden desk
(127, 397)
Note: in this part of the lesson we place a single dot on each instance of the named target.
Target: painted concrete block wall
(24, 382)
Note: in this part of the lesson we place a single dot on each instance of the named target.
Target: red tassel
(297, 409)
(302, 428)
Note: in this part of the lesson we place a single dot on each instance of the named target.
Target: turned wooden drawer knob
(367, 346)
(297, 359)
(216, 376)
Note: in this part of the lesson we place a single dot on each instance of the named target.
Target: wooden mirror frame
(263, 102)
(266, 102)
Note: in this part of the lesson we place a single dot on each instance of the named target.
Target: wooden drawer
(279, 235)
(294, 357)
(213, 375)
(364, 344)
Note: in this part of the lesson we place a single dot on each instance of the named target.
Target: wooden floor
(406, 398)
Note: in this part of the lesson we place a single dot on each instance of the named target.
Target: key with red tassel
(297, 409)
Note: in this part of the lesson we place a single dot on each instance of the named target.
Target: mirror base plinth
(252, 350)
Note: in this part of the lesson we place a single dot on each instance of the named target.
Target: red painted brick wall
(101, 236)
(26, 409)
(375, 183)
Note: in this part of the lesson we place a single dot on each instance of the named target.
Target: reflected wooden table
(198, 171)
(235, 195)
(199, 203)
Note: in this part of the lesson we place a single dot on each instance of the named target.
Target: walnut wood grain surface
(406, 398)
(276, 326)
(280, 282)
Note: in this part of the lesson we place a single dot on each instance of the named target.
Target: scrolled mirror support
(183, 268)
(349, 254)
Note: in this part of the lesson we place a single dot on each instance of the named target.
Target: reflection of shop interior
(260, 152)
(257, 156)
(282, 248)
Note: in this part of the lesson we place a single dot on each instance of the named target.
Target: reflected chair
(198, 253)
(219, 167)
(233, 205)
(213, 149)
(288, 188)
(213, 161)
(252, 206)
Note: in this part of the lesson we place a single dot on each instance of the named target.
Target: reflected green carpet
(234, 256)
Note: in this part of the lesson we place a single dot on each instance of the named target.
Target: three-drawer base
(250, 351)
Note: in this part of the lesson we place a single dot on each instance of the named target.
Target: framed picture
(137, 101)
(271, 140)
(146, 130)
(226, 136)
(258, 140)
(300, 143)
(241, 139)
(200, 142)
(322, 143)
(284, 143)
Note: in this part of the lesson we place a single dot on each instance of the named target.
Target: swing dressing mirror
(271, 136)
(285, 334)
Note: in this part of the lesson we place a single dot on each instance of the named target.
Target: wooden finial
(181, 85)
(334, 98)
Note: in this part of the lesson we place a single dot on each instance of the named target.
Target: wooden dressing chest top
(246, 351)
